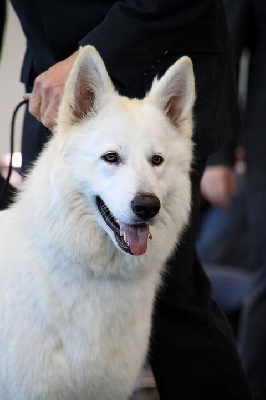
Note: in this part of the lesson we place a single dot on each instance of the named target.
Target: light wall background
(11, 90)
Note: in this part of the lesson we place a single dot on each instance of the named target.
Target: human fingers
(36, 98)
(44, 99)
(47, 91)
(218, 184)
(26, 96)
(49, 112)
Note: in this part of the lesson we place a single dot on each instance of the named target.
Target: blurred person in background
(247, 23)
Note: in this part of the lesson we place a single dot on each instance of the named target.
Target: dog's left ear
(175, 92)
(87, 87)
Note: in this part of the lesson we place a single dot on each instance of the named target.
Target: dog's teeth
(121, 233)
(125, 240)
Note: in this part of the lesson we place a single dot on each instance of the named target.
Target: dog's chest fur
(90, 332)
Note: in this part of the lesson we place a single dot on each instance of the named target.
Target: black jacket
(138, 40)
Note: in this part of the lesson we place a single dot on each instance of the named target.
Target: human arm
(218, 182)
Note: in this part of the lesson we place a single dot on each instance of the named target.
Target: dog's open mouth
(132, 239)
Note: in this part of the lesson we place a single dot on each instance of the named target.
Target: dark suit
(192, 351)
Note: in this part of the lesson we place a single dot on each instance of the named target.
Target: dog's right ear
(87, 87)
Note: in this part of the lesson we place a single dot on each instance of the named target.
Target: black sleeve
(134, 34)
(224, 156)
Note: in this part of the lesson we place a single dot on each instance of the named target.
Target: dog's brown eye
(111, 157)
(157, 159)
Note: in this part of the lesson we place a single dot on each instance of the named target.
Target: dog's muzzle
(132, 239)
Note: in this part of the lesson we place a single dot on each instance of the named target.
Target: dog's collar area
(132, 239)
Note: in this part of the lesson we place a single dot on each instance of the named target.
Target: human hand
(218, 184)
(47, 91)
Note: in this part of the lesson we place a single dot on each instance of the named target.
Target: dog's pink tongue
(137, 237)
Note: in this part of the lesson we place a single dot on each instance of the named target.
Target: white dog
(83, 247)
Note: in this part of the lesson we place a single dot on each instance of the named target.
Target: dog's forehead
(127, 124)
(137, 120)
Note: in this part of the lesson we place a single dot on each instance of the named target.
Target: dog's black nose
(145, 205)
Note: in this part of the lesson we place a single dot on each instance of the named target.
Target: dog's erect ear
(87, 87)
(175, 91)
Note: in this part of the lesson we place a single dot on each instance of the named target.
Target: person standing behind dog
(193, 355)
(247, 23)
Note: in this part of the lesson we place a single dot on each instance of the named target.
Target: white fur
(75, 309)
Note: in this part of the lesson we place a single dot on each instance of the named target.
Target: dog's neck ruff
(132, 239)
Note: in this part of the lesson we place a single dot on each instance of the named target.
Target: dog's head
(129, 159)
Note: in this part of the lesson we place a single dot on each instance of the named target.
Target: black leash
(10, 167)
